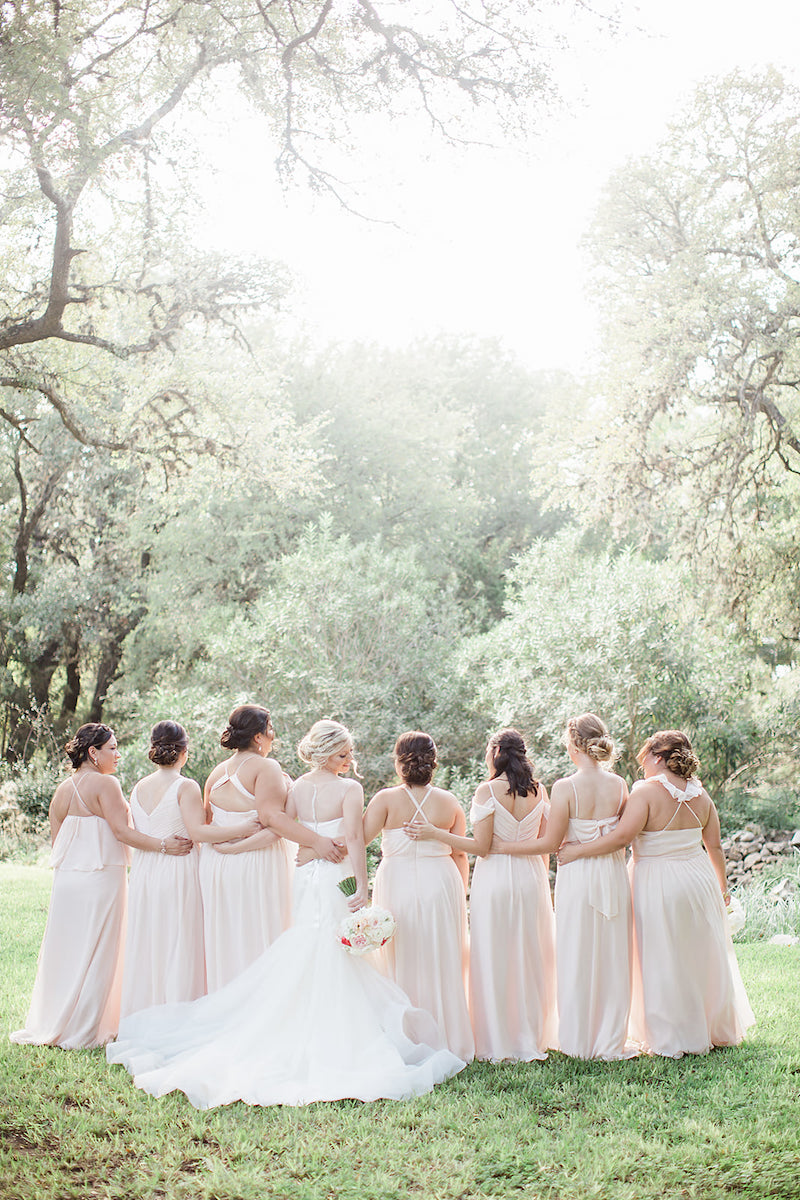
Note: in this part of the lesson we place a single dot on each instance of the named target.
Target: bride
(307, 1021)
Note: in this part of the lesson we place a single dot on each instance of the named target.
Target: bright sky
(488, 241)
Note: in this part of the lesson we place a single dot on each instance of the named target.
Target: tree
(353, 632)
(620, 636)
(693, 437)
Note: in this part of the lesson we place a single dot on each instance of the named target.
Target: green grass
(721, 1126)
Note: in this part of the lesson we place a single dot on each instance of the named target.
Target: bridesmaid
(165, 960)
(76, 996)
(422, 883)
(245, 885)
(511, 965)
(687, 993)
(593, 901)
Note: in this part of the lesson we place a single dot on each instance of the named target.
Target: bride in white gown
(307, 1021)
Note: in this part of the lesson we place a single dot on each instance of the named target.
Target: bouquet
(367, 929)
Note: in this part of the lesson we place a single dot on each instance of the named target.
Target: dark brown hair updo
(588, 734)
(510, 758)
(168, 740)
(243, 724)
(675, 749)
(415, 753)
(90, 735)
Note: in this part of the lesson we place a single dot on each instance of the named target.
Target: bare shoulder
(187, 788)
(483, 791)
(353, 794)
(561, 789)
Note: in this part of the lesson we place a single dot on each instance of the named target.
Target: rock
(751, 860)
(745, 835)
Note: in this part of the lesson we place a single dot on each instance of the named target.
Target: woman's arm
(256, 841)
(375, 817)
(270, 801)
(193, 811)
(116, 812)
(59, 807)
(632, 821)
(713, 844)
(457, 830)
(480, 842)
(353, 812)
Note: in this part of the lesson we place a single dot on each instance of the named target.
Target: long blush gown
(418, 882)
(246, 901)
(76, 996)
(594, 930)
(512, 990)
(164, 958)
(688, 994)
(305, 1022)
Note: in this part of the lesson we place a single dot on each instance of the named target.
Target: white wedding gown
(305, 1022)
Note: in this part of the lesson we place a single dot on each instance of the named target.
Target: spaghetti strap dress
(164, 956)
(688, 994)
(305, 1022)
(512, 990)
(76, 996)
(246, 901)
(594, 929)
(418, 882)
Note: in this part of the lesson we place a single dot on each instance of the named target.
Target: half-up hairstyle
(588, 734)
(323, 740)
(243, 724)
(510, 758)
(168, 740)
(93, 734)
(675, 749)
(415, 754)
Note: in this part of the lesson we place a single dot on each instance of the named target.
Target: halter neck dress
(246, 900)
(76, 995)
(305, 1022)
(164, 956)
(688, 994)
(594, 929)
(428, 956)
(512, 990)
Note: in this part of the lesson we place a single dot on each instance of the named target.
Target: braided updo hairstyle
(415, 755)
(510, 758)
(243, 724)
(322, 741)
(588, 734)
(88, 736)
(168, 740)
(675, 749)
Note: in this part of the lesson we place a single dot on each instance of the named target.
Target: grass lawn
(726, 1125)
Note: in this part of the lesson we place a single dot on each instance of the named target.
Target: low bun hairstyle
(588, 734)
(243, 724)
(415, 754)
(675, 749)
(322, 741)
(78, 747)
(510, 758)
(168, 740)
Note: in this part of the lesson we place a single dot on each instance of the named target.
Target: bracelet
(163, 845)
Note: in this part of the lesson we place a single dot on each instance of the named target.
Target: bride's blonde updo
(323, 740)
(676, 750)
(588, 734)
(415, 756)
